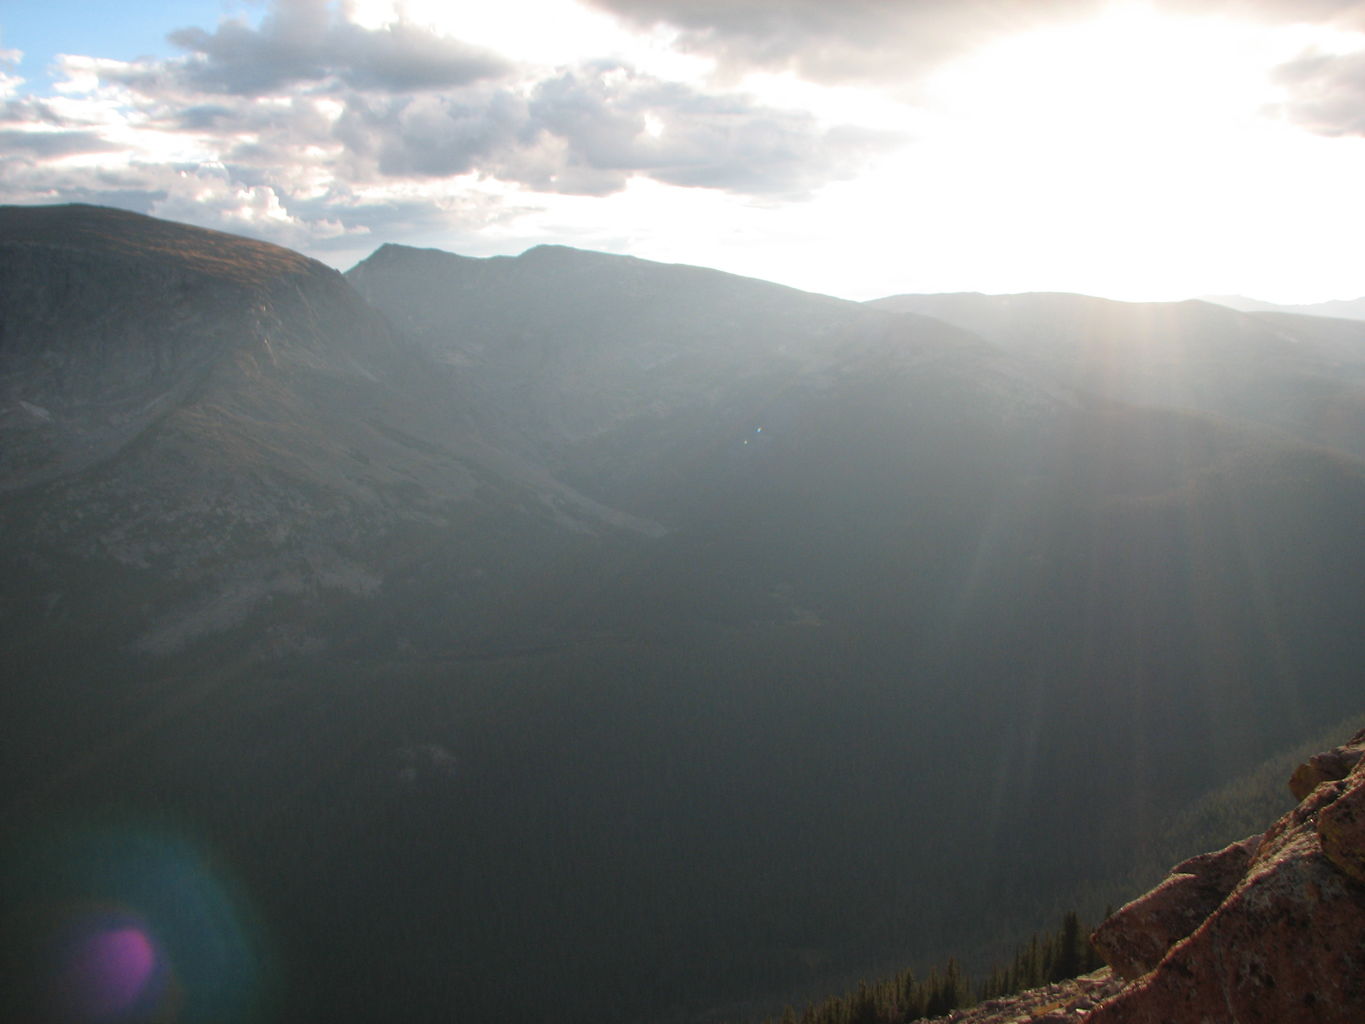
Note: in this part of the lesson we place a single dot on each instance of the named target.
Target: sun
(1131, 154)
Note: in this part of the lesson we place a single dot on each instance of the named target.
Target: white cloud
(313, 41)
(1080, 145)
(260, 128)
(1325, 92)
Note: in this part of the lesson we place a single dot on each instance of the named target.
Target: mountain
(572, 635)
(1345, 309)
(614, 369)
(920, 525)
(1298, 375)
(229, 414)
(1289, 374)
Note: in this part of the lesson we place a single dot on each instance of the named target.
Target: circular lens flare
(107, 972)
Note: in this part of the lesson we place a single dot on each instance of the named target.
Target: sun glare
(1105, 126)
(1139, 141)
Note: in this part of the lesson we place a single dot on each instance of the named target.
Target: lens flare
(120, 924)
(107, 972)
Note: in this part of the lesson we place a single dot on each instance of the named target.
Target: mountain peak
(548, 249)
(127, 235)
(112, 319)
(568, 256)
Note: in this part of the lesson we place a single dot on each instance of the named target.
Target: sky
(1136, 150)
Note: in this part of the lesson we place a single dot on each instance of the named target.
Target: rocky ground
(1066, 1001)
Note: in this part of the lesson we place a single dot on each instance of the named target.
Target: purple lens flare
(106, 972)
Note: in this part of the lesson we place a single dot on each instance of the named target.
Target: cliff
(1269, 930)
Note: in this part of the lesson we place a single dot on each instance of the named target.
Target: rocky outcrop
(1283, 944)
(1062, 1002)
(1328, 766)
(1134, 940)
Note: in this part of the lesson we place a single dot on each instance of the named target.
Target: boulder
(1341, 827)
(1285, 946)
(1135, 938)
(1329, 766)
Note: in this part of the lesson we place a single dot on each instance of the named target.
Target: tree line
(1046, 958)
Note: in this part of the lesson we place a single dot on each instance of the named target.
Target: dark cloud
(52, 144)
(203, 117)
(432, 135)
(312, 41)
(852, 40)
(589, 130)
(294, 121)
(31, 110)
(889, 40)
(1326, 93)
(616, 121)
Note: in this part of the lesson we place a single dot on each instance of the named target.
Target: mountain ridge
(1349, 309)
(1280, 372)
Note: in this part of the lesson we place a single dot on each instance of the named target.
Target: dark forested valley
(573, 637)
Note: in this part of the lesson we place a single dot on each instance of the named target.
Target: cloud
(1326, 93)
(582, 130)
(44, 144)
(849, 41)
(312, 41)
(588, 130)
(615, 121)
(313, 131)
(882, 42)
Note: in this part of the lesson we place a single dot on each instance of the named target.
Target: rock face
(1285, 944)
(1328, 766)
(1135, 939)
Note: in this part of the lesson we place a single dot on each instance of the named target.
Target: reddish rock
(1306, 813)
(1286, 948)
(1329, 766)
(1135, 938)
(1341, 827)
(1287, 945)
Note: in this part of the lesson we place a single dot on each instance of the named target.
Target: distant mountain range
(576, 636)
(1297, 376)
(1344, 309)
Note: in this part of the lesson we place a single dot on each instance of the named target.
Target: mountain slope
(259, 412)
(612, 369)
(1304, 376)
(577, 636)
(926, 538)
